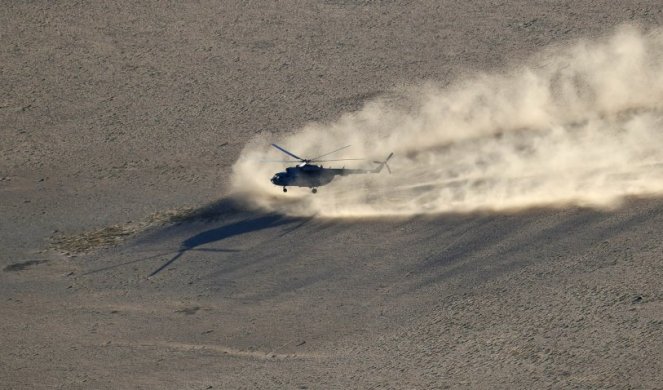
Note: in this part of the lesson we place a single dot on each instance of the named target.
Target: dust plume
(580, 124)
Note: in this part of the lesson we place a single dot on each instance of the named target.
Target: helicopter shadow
(223, 232)
(209, 215)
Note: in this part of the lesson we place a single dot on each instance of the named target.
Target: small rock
(637, 299)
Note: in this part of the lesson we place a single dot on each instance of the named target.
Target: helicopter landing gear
(285, 189)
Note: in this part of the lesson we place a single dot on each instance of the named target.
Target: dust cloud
(580, 124)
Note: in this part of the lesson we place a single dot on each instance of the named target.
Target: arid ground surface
(127, 264)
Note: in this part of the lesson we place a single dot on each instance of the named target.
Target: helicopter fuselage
(306, 175)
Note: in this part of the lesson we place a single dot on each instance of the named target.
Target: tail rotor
(382, 164)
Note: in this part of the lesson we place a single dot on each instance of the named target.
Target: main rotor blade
(327, 154)
(288, 153)
(340, 159)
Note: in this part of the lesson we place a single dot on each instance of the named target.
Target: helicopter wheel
(285, 189)
(315, 190)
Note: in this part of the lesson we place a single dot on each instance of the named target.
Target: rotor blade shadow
(166, 264)
(122, 264)
(152, 257)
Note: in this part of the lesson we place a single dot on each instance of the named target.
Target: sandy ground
(119, 125)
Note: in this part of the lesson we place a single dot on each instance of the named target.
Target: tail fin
(382, 164)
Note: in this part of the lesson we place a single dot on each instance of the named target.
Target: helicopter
(308, 174)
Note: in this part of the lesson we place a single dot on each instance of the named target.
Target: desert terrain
(137, 250)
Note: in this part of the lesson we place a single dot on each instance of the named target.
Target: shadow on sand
(221, 233)
(222, 209)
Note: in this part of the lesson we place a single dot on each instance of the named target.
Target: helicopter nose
(279, 179)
